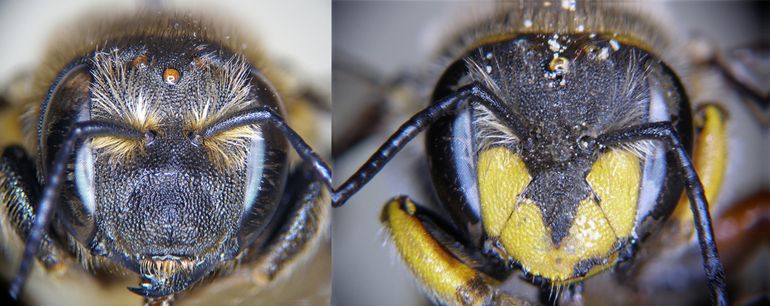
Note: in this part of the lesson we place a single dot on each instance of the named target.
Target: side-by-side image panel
(552, 153)
(165, 153)
(346, 152)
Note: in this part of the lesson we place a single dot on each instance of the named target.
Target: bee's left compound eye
(265, 167)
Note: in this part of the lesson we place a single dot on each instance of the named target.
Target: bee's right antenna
(81, 131)
(474, 92)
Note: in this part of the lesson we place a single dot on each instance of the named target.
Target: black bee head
(174, 205)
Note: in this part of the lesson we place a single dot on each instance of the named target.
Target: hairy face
(172, 206)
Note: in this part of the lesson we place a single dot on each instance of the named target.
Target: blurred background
(297, 32)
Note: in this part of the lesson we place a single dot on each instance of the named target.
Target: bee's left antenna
(266, 115)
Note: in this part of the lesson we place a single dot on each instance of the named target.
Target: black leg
(81, 131)
(19, 187)
(665, 132)
(419, 122)
(19, 192)
(264, 114)
(299, 230)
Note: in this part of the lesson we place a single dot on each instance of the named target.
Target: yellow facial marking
(502, 177)
(615, 179)
(596, 230)
(440, 272)
(709, 159)
(527, 239)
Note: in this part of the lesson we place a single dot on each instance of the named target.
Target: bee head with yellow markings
(534, 183)
(172, 206)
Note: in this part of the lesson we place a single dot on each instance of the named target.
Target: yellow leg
(447, 279)
(709, 158)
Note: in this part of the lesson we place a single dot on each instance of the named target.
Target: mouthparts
(167, 274)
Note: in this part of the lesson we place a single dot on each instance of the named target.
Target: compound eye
(266, 167)
(84, 184)
(661, 186)
(451, 147)
(68, 103)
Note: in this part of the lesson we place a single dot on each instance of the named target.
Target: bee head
(555, 202)
(175, 205)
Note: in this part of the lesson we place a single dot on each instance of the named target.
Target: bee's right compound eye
(70, 97)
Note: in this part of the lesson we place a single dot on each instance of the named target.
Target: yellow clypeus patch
(596, 229)
(615, 178)
(502, 177)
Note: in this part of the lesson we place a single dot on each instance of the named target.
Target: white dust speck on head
(604, 54)
(614, 44)
(554, 45)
